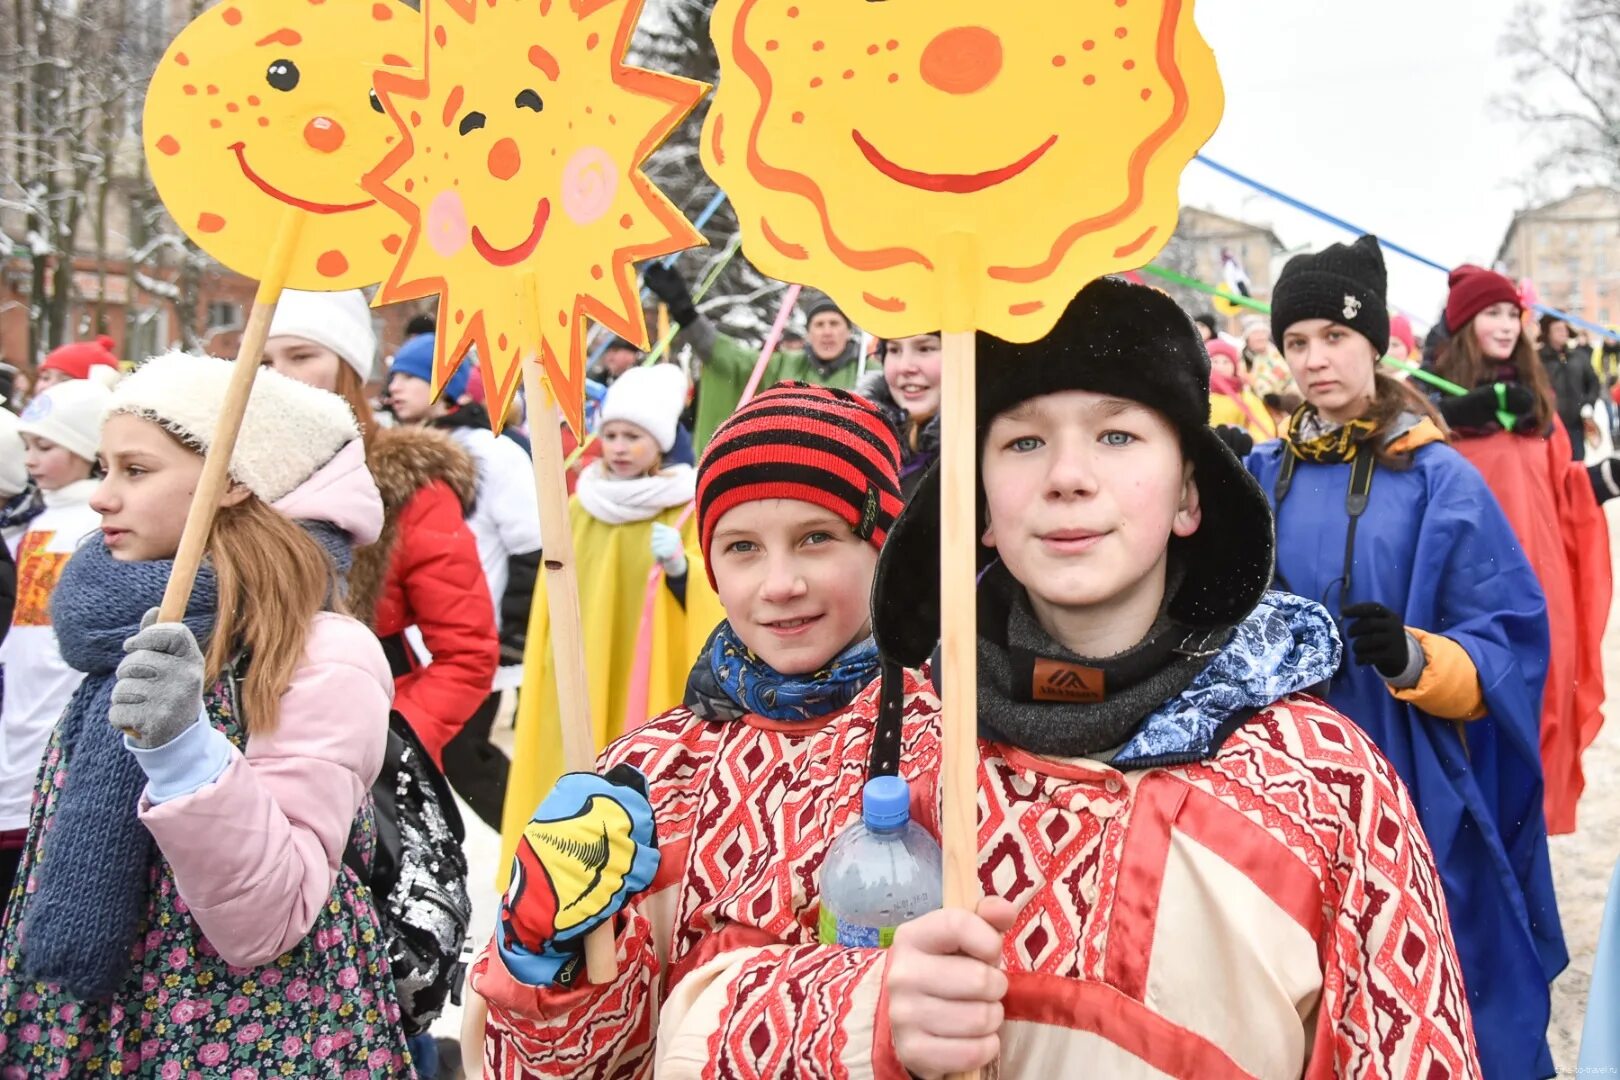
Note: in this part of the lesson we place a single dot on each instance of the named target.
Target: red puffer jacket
(424, 572)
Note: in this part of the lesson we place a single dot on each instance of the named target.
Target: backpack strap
(884, 757)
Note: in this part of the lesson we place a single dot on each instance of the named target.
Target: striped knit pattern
(810, 443)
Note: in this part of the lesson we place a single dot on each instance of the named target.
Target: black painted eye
(471, 122)
(282, 75)
(376, 102)
(530, 100)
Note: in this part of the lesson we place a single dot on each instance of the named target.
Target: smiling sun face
(1054, 134)
(521, 153)
(262, 105)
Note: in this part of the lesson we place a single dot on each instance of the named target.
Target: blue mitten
(590, 848)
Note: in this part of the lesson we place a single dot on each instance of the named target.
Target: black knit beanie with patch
(1344, 284)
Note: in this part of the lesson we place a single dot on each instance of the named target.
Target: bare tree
(1567, 86)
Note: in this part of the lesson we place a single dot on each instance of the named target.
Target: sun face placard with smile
(521, 152)
(261, 106)
(854, 136)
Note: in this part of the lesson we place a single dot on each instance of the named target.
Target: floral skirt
(325, 1008)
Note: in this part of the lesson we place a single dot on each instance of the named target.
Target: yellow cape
(613, 563)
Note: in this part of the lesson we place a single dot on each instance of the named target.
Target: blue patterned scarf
(730, 682)
(82, 921)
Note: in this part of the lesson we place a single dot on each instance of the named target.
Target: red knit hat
(811, 443)
(76, 360)
(1473, 289)
(1401, 327)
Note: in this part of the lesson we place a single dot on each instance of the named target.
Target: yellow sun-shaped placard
(855, 137)
(521, 152)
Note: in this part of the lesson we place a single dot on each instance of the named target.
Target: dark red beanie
(76, 360)
(1473, 289)
(822, 446)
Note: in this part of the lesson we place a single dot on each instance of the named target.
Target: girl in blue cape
(1401, 540)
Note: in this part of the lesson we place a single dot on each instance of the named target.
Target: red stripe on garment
(1104, 1011)
(1246, 846)
(1141, 878)
(727, 938)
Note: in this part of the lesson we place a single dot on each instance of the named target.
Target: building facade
(1570, 251)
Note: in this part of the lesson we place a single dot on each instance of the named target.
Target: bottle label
(836, 931)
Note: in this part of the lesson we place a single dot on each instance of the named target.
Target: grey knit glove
(159, 693)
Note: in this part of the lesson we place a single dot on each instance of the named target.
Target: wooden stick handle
(958, 573)
(217, 462)
(562, 597)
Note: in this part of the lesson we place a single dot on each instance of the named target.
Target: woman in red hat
(1508, 427)
(75, 361)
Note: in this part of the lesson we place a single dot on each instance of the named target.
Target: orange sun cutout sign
(260, 107)
(521, 152)
(853, 137)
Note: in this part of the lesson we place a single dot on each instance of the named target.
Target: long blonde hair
(273, 580)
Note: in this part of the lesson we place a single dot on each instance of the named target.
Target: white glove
(668, 549)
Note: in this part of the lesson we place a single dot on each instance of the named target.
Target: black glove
(667, 284)
(1605, 477)
(1478, 408)
(1237, 440)
(1378, 637)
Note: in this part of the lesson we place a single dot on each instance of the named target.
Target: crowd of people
(1287, 659)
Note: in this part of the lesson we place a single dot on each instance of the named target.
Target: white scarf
(620, 502)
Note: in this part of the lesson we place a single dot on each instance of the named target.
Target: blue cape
(1434, 545)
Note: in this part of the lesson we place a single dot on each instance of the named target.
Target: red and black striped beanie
(811, 443)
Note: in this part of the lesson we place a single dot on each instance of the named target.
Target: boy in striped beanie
(720, 811)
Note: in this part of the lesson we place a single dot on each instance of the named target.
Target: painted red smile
(512, 256)
(291, 200)
(955, 183)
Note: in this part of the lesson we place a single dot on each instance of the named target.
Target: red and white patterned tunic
(1273, 911)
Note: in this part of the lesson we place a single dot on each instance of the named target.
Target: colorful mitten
(589, 848)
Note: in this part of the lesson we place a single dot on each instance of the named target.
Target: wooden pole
(958, 573)
(562, 597)
(217, 462)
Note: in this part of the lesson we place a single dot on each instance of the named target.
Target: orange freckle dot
(501, 342)
(817, 46)
(169, 145)
(815, 82)
(793, 13)
(210, 223)
(382, 12)
(798, 118)
(191, 91)
(1088, 45)
(410, 186)
(461, 316)
(626, 221)
(182, 59)
(589, 110)
(849, 74)
(231, 106)
(894, 77)
(592, 40)
(416, 119)
(1130, 65)
(438, 36)
(891, 45)
(1090, 80)
(1146, 94)
(332, 264)
(871, 50)
(216, 123)
(391, 244)
(596, 272)
(1121, 33)
(612, 119)
(562, 318)
(1059, 61)
(264, 121)
(212, 89)
(772, 45)
(232, 16)
(253, 99)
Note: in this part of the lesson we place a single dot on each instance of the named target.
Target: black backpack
(418, 878)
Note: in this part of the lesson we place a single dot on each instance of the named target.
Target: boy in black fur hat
(1189, 866)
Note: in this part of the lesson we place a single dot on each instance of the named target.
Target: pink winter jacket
(256, 851)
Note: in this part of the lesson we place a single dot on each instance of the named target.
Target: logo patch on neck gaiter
(1054, 680)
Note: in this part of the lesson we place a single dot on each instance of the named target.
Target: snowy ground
(1582, 863)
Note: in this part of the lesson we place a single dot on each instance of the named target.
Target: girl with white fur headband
(187, 908)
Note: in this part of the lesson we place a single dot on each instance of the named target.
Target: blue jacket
(1434, 545)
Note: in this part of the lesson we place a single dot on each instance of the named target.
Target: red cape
(1564, 534)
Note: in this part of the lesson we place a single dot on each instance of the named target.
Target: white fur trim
(69, 415)
(340, 321)
(289, 432)
(13, 470)
(652, 398)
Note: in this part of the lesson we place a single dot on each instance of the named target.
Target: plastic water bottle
(881, 871)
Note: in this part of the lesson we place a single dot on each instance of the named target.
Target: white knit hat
(13, 469)
(290, 431)
(652, 398)
(341, 321)
(69, 415)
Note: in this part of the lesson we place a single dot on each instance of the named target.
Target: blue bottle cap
(886, 802)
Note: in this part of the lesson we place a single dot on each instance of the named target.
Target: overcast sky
(1378, 111)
